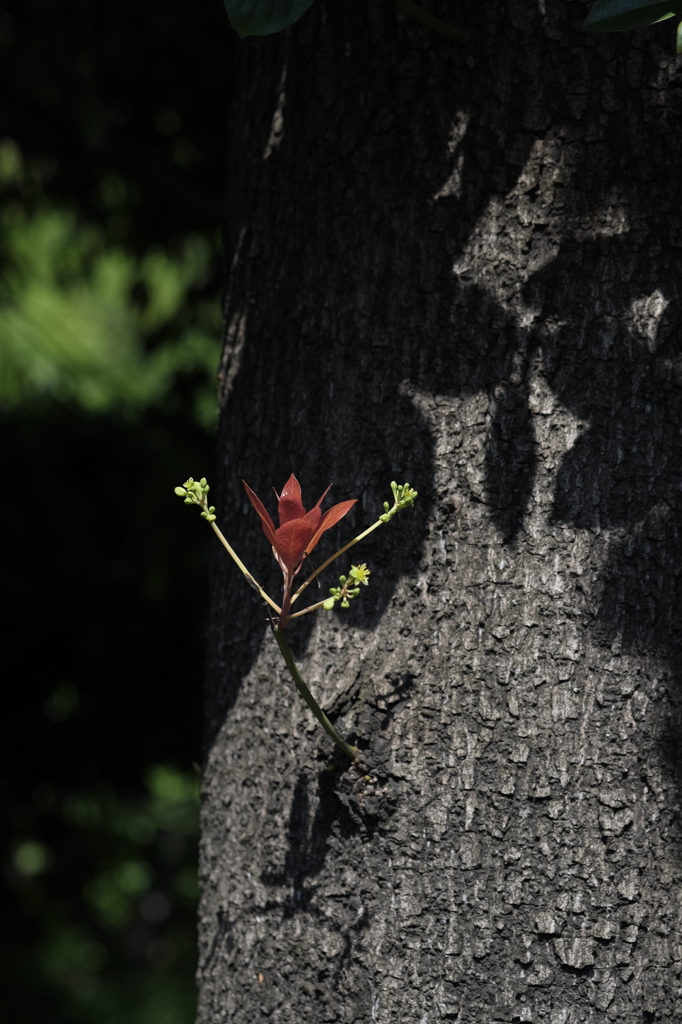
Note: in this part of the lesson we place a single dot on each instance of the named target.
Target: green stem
(240, 565)
(442, 27)
(332, 558)
(310, 608)
(347, 749)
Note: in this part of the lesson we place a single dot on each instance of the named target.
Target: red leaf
(293, 539)
(268, 525)
(330, 518)
(324, 495)
(290, 504)
(299, 531)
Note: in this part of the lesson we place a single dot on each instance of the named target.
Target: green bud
(404, 495)
(342, 579)
(329, 604)
(344, 603)
(180, 491)
(354, 593)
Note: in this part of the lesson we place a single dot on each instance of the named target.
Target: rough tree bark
(456, 266)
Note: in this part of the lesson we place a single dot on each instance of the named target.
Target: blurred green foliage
(112, 134)
(88, 322)
(109, 952)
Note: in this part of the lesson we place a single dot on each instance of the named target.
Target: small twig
(346, 748)
(332, 558)
(240, 565)
(310, 608)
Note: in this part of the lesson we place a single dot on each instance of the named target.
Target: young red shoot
(298, 531)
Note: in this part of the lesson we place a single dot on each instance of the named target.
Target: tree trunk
(457, 266)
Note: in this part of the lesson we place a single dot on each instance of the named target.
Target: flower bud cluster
(347, 588)
(403, 495)
(194, 492)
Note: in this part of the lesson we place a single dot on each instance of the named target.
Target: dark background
(112, 141)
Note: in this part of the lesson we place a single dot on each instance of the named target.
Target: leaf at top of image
(620, 15)
(263, 17)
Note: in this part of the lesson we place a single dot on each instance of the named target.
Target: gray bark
(461, 267)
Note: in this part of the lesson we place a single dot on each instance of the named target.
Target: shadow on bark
(511, 460)
(623, 472)
(344, 806)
